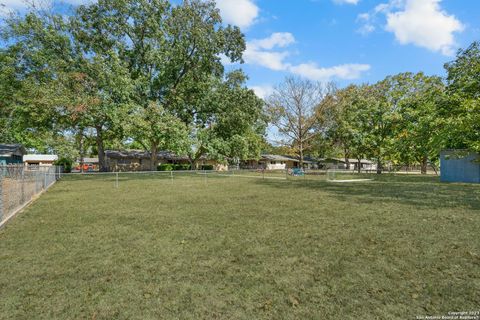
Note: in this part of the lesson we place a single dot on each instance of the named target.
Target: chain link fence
(19, 184)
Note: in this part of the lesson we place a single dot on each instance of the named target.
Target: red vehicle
(86, 167)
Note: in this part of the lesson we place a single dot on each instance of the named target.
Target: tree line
(146, 74)
(405, 119)
(128, 73)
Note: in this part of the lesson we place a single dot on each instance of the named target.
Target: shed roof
(90, 160)
(40, 157)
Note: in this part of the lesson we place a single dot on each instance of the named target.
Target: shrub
(182, 167)
(207, 167)
(65, 163)
(165, 167)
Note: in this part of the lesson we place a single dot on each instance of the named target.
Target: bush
(173, 167)
(165, 167)
(207, 167)
(182, 167)
(65, 163)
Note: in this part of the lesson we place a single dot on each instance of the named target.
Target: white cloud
(13, 4)
(263, 91)
(277, 39)
(368, 26)
(8, 6)
(425, 24)
(345, 71)
(241, 13)
(269, 59)
(261, 52)
(346, 1)
(265, 53)
(420, 22)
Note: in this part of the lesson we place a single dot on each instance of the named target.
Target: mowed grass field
(243, 248)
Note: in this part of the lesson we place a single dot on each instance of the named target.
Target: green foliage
(461, 112)
(165, 167)
(66, 163)
(145, 72)
(182, 167)
(207, 167)
(227, 121)
(173, 167)
(417, 135)
(148, 74)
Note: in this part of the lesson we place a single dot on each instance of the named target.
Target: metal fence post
(22, 184)
(45, 179)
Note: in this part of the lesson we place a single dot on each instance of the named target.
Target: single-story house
(340, 163)
(138, 160)
(11, 154)
(276, 162)
(39, 159)
(459, 166)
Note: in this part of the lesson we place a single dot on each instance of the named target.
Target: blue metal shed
(459, 166)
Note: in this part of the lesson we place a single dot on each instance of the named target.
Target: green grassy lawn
(243, 248)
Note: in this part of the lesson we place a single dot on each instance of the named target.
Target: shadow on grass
(424, 191)
(416, 190)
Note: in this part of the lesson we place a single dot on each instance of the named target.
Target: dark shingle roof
(12, 149)
(276, 157)
(140, 154)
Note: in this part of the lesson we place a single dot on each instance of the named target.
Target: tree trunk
(153, 157)
(101, 150)
(359, 165)
(424, 164)
(301, 155)
(193, 163)
(347, 159)
(379, 166)
(81, 152)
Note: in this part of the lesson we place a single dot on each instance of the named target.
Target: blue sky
(345, 41)
(349, 41)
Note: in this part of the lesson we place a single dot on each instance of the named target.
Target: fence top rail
(155, 172)
(96, 173)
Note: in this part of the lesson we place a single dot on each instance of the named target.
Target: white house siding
(273, 165)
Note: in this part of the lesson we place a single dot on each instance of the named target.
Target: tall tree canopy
(170, 52)
(125, 70)
(462, 113)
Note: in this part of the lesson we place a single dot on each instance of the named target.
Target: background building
(39, 159)
(459, 166)
(11, 154)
